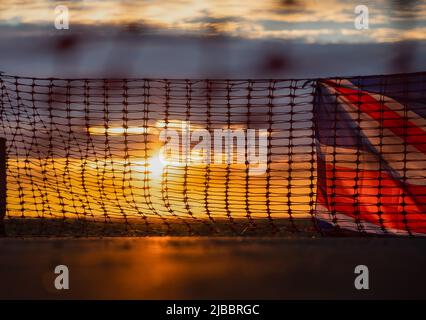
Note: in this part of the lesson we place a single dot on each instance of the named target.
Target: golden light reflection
(155, 167)
(138, 186)
(117, 131)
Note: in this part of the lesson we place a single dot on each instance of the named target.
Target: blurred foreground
(215, 268)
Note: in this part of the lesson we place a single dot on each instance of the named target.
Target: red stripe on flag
(356, 195)
(391, 120)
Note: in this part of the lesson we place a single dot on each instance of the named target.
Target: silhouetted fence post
(3, 160)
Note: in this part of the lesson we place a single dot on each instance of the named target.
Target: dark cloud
(144, 51)
(213, 20)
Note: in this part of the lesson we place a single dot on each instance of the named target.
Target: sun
(156, 166)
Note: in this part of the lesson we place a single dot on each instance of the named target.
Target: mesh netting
(86, 156)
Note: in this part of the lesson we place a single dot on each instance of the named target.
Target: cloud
(326, 21)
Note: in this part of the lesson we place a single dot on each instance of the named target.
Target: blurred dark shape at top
(66, 50)
(402, 61)
(275, 59)
(405, 12)
(66, 43)
(69, 48)
(290, 2)
(274, 63)
(289, 6)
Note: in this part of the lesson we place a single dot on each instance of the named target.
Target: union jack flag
(371, 147)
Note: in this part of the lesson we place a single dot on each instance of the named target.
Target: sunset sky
(221, 38)
(187, 39)
(311, 21)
